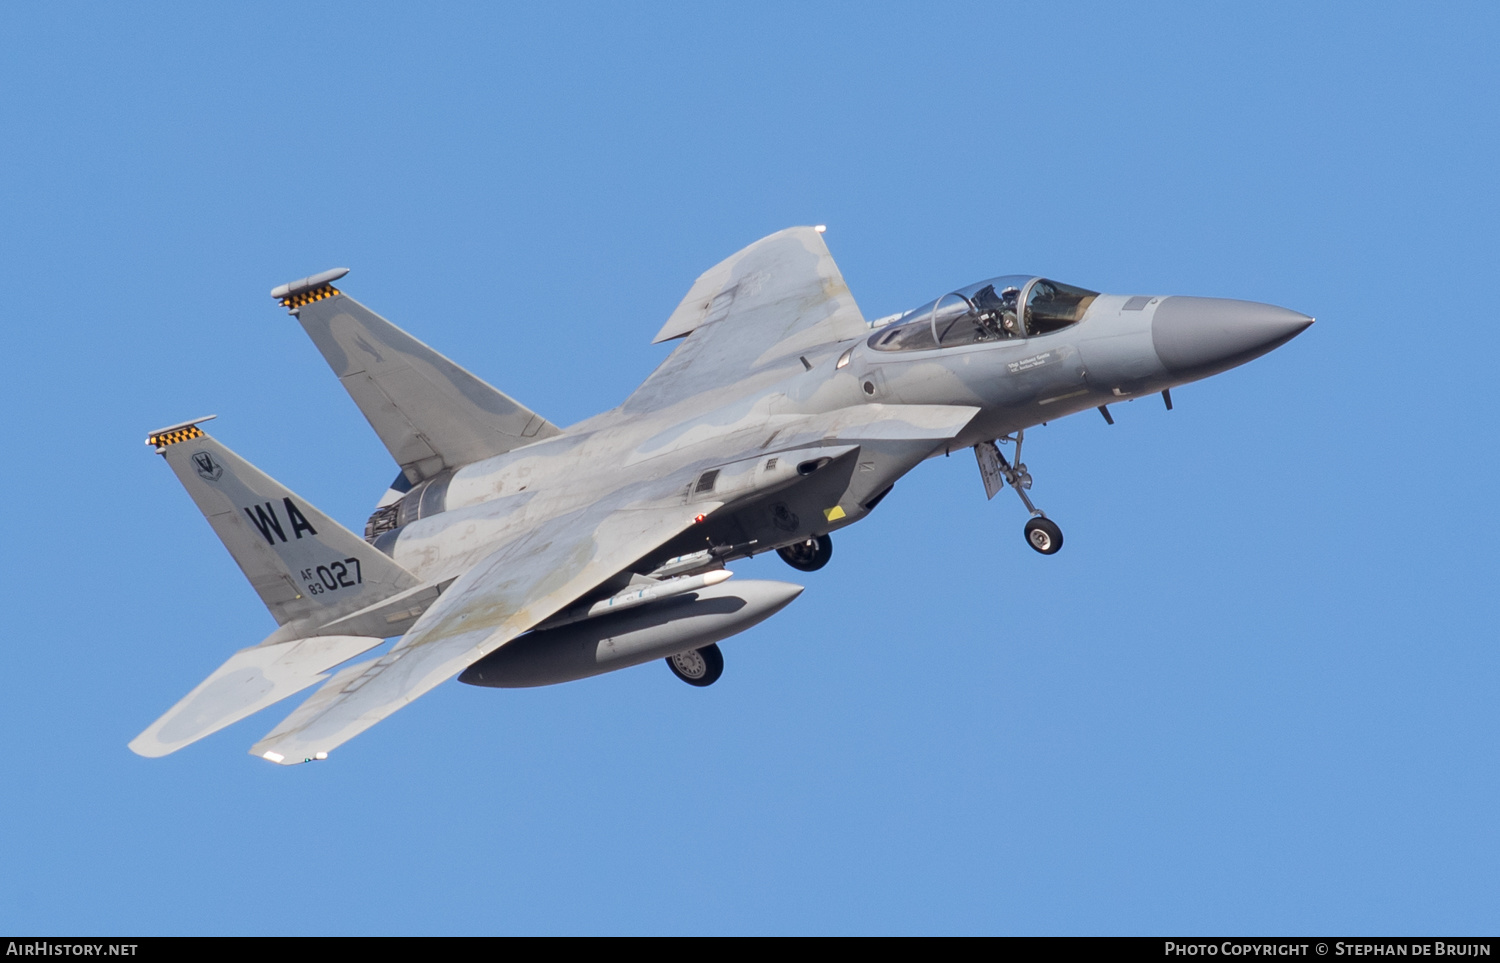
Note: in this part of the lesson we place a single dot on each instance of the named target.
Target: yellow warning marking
(833, 514)
(173, 437)
(308, 297)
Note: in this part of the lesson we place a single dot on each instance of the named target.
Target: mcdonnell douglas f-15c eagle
(511, 552)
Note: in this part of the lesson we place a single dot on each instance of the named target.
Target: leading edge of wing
(503, 596)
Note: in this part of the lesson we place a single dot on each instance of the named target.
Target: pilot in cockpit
(997, 312)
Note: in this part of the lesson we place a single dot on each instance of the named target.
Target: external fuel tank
(619, 640)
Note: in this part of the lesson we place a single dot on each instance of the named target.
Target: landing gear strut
(809, 555)
(1041, 532)
(698, 667)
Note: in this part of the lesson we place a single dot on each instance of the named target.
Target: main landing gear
(1041, 532)
(698, 667)
(809, 555)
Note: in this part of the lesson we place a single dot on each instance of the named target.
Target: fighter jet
(511, 552)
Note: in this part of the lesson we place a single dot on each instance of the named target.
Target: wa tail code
(267, 523)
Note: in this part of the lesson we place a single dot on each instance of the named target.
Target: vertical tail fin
(304, 566)
(431, 414)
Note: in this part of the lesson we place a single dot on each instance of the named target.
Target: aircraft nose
(1201, 336)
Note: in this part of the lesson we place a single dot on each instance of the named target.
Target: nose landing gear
(1043, 535)
(1041, 532)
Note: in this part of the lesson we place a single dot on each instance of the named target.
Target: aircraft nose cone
(1201, 336)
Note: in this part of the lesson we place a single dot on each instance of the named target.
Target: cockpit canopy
(987, 311)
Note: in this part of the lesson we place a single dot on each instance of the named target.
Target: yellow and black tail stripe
(164, 438)
(308, 297)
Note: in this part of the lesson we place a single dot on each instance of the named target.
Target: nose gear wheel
(1041, 533)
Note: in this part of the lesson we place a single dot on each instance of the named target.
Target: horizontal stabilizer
(432, 415)
(306, 567)
(523, 583)
(252, 679)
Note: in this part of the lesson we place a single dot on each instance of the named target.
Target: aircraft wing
(758, 310)
(525, 582)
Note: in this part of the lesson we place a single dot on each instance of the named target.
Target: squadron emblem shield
(208, 469)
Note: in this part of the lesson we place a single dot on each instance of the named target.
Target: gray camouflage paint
(514, 519)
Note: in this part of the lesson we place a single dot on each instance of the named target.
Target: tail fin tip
(182, 431)
(291, 289)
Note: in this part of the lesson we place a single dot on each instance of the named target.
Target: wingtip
(149, 748)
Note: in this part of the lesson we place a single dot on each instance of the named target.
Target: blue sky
(1255, 693)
